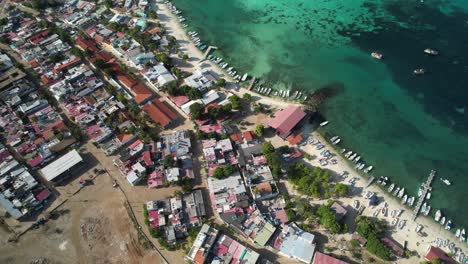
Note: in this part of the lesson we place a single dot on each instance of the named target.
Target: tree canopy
(328, 218)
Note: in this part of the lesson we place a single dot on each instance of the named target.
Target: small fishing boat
(442, 221)
(428, 196)
(438, 215)
(448, 226)
(431, 52)
(390, 189)
(377, 55)
(419, 71)
(244, 77)
(324, 123)
(396, 191)
(362, 166)
(411, 201)
(368, 169)
(446, 182)
(457, 233)
(405, 199)
(401, 193)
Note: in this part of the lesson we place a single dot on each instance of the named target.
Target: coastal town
(126, 139)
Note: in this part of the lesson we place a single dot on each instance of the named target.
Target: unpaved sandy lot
(92, 227)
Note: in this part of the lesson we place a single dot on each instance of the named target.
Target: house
(295, 243)
(158, 76)
(202, 245)
(159, 113)
(339, 210)
(321, 258)
(435, 252)
(286, 120)
(394, 246)
(200, 79)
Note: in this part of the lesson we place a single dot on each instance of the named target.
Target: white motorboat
(362, 166)
(337, 141)
(377, 55)
(431, 52)
(411, 201)
(324, 123)
(390, 189)
(438, 215)
(348, 154)
(457, 233)
(405, 199)
(428, 196)
(462, 235)
(368, 169)
(401, 193)
(419, 71)
(442, 220)
(396, 191)
(357, 159)
(352, 156)
(244, 77)
(446, 182)
(428, 209)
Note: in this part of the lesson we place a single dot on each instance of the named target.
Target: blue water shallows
(404, 125)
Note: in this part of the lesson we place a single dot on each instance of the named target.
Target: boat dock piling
(252, 82)
(425, 188)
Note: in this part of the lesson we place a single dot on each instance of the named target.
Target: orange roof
(156, 114)
(33, 63)
(294, 139)
(86, 44)
(125, 80)
(264, 187)
(99, 38)
(44, 79)
(141, 93)
(248, 135)
(165, 109)
(124, 137)
(199, 258)
(155, 30)
(237, 137)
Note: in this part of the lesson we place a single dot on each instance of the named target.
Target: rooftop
(286, 119)
(61, 165)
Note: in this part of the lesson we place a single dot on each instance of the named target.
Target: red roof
(86, 44)
(394, 246)
(435, 252)
(199, 258)
(156, 114)
(248, 135)
(33, 63)
(42, 195)
(237, 138)
(286, 119)
(294, 139)
(165, 109)
(179, 100)
(321, 258)
(125, 80)
(66, 65)
(141, 93)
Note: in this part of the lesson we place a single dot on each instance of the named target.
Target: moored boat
(446, 182)
(405, 199)
(442, 220)
(324, 123)
(438, 215)
(390, 189)
(368, 169)
(401, 193)
(396, 191)
(411, 201)
(377, 55)
(448, 226)
(419, 71)
(431, 52)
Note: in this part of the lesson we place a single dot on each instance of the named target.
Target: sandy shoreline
(407, 234)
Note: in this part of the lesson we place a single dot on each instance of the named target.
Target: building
(321, 258)
(394, 246)
(295, 243)
(435, 252)
(160, 113)
(158, 76)
(339, 210)
(202, 245)
(58, 170)
(200, 79)
(286, 120)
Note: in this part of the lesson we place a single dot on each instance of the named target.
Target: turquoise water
(404, 125)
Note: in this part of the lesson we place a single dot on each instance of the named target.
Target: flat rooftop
(61, 165)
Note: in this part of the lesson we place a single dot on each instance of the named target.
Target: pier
(208, 51)
(252, 82)
(425, 188)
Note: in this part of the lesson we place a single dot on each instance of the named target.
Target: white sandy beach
(408, 234)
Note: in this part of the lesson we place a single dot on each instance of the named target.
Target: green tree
(259, 130)
(235, 102)
(328, 219)
(267, 148)
(341, 190)
(221, 82)
(197, 110)
(247, 97)
(164, 58)
(228, 170)
(169, 161)
(218, 173)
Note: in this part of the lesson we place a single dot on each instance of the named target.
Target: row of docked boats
(356, 159)
(196, 40)
(238, 77)
(296, 95)
(174, 11)
(263, 90)
(399, 192)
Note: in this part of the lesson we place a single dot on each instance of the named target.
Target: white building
(200, 79)
(158, 76)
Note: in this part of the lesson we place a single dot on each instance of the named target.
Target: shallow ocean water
(404, 125)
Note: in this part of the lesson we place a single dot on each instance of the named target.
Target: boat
(405, 199)
(420, 192)
(462, 235)
(362, 166)
(401, 192)
(396, 191)
(431, 52)
(368, 169)
(324, 123)
(244, 77)
(333, 138)
(419, 71)
(377, 55)
(428, 209)
(448, 226)
(428, 196)
(338, 140)
(357, 159)
(401, 224)
(418, 228)
(446, 181)
(438, 215)
(390, 189)
(457, 233)
(411, 201)
(352, 156)
(442, 221)
(348, 154)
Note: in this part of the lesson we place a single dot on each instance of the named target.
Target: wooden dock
(252, 82)
(208, 51)
(425, 188)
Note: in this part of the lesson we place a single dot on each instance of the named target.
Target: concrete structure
(286, 119)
